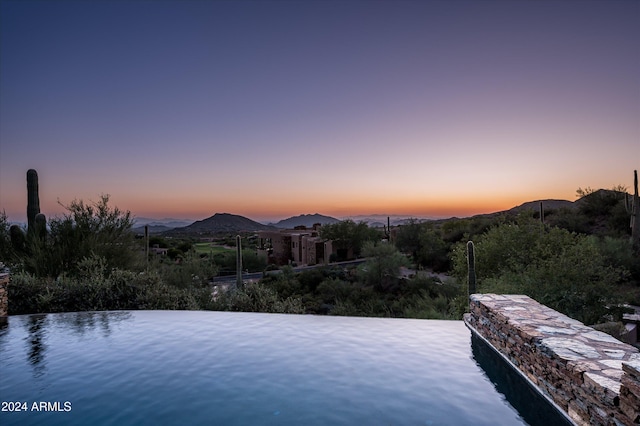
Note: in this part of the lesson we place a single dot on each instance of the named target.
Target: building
(301, 246)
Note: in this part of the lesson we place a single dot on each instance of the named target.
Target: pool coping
(532, 385)
(592, 376)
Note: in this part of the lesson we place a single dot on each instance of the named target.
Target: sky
(270, 109)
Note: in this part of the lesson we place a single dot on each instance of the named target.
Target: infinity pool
(225, 368)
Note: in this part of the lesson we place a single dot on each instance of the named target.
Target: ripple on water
(152, 367)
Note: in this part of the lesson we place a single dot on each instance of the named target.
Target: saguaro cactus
(239, 261)
(471, 264)
(33, 199)
(633, 208)
(36, 221)
(387, 229)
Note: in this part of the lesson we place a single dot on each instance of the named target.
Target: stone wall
(4, 294)
(590, 375)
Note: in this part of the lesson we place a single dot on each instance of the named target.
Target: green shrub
(190, 271)
(97, 288)
(426, 307)
(564, 271)
(255, 297)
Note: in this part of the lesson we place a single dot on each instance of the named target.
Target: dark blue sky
(275, 108)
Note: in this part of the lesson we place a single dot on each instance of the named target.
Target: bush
(426, 307)
(190, 271)
(86, 230)
(96, 288)
(382, 268)
(564, 271)
(255, 297)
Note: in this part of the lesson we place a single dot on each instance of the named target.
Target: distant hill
(307, 220)
(546, 204)
(153, 229)
(222, 222)
(168, 223)
(158, 226)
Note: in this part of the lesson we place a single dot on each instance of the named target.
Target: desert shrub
(256, 297)
(431, 286)
(618, 252)
(26, 292)
(311, 278)
(408, 238)
(344, 308)
(95, 287)
(434, 251)
(250, 261)
(597, 203)
(192, 270)
(333, 289)
(570, 220)
(564, 271)
(6, 249)
(285, 283)
(84, 230)
(381, 270)
(426, 307)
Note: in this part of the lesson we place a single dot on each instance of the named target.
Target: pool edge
(535, 387)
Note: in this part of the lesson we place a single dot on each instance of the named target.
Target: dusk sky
(270, 109)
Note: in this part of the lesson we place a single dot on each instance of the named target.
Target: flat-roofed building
(301, 246)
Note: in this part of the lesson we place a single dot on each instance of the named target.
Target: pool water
(227, 368)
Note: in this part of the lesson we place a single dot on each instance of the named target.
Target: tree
(434, 251)
(349, 237)
(408, 238)
(382, 268)
(425, 244)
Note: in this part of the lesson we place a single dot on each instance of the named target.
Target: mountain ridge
(222, 222)
(307, 220)
(227, 222)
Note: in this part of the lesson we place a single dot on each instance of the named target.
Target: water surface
(225, 368)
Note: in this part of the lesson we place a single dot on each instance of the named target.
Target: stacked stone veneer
(590, 375)
(4, 294)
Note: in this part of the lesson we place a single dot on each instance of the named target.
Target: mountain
(307, 220)
(222, 222)
(153, 229)
(166, 222)
(546, 204)
(158, 226)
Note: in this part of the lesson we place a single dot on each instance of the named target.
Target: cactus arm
(41, 226)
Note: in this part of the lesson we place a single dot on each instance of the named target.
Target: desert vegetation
(581, 261)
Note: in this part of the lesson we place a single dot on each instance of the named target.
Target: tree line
(578, 261)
